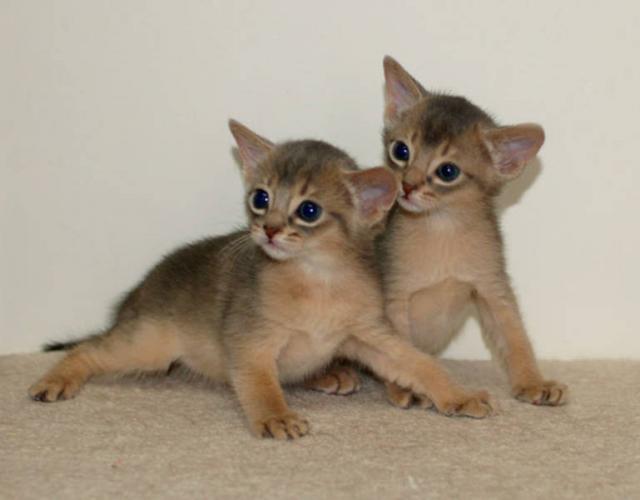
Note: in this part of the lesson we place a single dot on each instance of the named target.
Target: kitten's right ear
(401, 90)
(253, 148)
(512, 147)
(374, 192)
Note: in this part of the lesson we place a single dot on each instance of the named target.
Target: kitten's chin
(276, 253)
(411, 206)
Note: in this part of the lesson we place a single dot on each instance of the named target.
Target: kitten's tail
(59, 346)
(67, 346)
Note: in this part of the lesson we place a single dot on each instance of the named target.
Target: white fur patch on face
(420, 200)
(276, 252)
(278, 248)
(410, 204)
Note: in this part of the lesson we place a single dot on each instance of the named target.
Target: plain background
(114, 147)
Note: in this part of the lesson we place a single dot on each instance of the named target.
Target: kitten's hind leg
(141, 345)
(339, 379)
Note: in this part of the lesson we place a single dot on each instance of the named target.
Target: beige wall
(114, 147)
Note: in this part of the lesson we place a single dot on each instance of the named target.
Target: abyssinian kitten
(274, 303)
(443, 248)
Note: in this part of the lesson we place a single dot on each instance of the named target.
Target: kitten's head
(445, 150)
(308, 196)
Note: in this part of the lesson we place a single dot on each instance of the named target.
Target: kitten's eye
(399, 152)
(260, 199)
(448, 172)
(309, 211)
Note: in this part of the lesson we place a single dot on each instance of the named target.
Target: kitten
(443, 247)
(274, 303)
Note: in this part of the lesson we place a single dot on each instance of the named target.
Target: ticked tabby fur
(274, 303)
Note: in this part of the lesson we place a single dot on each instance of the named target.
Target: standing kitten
(274, 303)
(443, 248)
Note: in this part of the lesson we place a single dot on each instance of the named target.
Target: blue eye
(260, 200)
(400, 151)
(448, 172)
(308, 211)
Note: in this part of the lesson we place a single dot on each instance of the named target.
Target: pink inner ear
(373, 196)
(516, 152)
(400, 94)
(401, 91)
(251, 147)
(375, 190)
(513, 147)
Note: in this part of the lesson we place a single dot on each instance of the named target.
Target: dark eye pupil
(309, 211)
(260, 199)
(448, 172)
(400, 151)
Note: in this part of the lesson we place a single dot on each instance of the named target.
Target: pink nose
(271, 231)
(407, 188)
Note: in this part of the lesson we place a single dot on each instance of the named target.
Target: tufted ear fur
(374, 192)
(512, 147)
(253, 148)
(401, 90)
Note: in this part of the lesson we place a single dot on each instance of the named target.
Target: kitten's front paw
(405, 398)
(54, 388)
(399, 396)
(288, 426)
(468, 404)
(547, 393)
(339, 380)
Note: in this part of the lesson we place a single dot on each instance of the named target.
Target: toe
(399, 397)
(348, 382)
(276, 429)
(557, 394)
(547, 393)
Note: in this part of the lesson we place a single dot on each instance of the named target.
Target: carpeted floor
(167, 437)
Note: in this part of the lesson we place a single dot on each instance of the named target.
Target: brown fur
(257, 312)
(443, 249)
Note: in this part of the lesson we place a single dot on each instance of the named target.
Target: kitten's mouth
(274, 249)
(409, 204)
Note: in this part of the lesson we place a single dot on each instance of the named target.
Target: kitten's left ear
(253, 148)
(374, 192)
(512, 147)
(401, 90)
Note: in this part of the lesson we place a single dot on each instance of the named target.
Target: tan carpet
(168, 437)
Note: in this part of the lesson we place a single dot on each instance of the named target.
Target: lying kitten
(274, 303)
(443, 248)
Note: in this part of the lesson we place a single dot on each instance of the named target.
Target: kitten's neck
(455, 217)
(335, 265)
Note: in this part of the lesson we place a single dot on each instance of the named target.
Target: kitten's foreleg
(397, 311)
(137, 346)
(396, 360)
(504, 331)
(254, 377)
(429, 317)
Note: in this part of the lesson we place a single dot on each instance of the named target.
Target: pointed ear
(401, 90)
(374, 192)
(253, 148)
(512, 147)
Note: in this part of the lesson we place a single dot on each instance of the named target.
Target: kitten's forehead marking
(305, 187)
(445, 117)
(292, 161)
